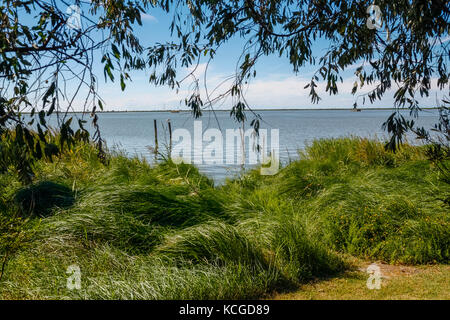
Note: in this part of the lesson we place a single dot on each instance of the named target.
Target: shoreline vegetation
(141, 231)
(272, 109)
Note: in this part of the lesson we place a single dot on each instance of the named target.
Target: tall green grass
(166, 232)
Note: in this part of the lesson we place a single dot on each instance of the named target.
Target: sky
(276, 86)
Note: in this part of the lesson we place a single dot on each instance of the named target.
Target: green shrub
(419, 242)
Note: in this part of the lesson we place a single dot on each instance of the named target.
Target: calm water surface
(133, 132)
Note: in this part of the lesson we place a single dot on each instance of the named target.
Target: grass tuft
(139, 231)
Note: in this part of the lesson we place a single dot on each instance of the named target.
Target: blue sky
(275, 86)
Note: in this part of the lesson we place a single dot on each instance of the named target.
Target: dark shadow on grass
(39, 199)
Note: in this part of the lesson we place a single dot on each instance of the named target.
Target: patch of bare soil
(389, 271)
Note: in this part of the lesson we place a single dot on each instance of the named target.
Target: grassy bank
(166, 232)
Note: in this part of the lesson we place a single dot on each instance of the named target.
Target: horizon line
(226, 110)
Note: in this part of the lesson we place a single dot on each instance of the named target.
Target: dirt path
(397, 282)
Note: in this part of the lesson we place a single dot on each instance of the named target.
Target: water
(133, 132)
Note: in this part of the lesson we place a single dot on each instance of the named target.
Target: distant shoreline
(256, 110)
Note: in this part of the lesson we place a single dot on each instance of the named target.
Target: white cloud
(199, 70)
(149, 17)
(273, 91)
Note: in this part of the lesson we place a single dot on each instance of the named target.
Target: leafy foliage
(40, 57)
(408, 53)
(45, 65)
